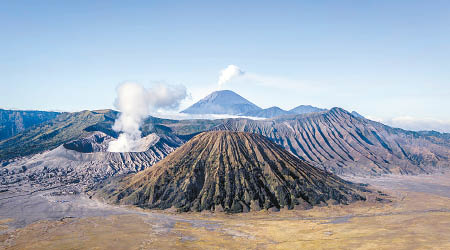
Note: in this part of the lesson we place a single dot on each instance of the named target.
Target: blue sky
(388, 60)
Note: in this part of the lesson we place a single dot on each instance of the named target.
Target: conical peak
(234, 172)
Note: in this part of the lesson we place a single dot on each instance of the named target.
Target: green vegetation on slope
(53, 133)
(13, 122)
(71, 126)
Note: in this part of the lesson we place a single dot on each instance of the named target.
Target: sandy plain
(417, 218)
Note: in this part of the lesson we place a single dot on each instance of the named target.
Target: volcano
(231, 172)
(222, 102)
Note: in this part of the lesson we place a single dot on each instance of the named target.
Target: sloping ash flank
(232, 172)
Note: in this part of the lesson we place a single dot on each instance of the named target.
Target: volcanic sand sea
(417, 218)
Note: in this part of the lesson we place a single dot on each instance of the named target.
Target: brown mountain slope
(234, 172)
(344, 144)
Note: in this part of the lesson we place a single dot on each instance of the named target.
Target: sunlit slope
(345, 144)
(234, 172)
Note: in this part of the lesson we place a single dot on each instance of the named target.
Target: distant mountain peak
(222, 102)
(304, 109)
(221, 94)
(274, 108)
(268, 112)
(230, 103)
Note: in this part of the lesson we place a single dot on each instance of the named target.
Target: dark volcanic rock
(234, 172)
(96, 142)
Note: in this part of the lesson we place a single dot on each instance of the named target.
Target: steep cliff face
(234, 172)
(344, 144)
(13, 122)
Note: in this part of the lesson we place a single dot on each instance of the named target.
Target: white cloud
(230, 72)
(249, 78)
(166, 96)
(415, 124)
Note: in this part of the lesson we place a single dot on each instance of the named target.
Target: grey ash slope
(73, 126)
(344, 144)
(232, 172)
(84, 162)
(222, 102)
(72, 149)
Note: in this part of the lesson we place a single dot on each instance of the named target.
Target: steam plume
(229, 73)
(135, 103)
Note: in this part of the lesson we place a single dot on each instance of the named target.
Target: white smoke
(135, 103)
(229, 73)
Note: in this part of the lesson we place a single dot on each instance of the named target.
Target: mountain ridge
(304, 109)
(13, 122)
(55, 132)
(342, 148)
(232, 172)
(268, 112)
(344, 144)
(231, 103)
(84, 162)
